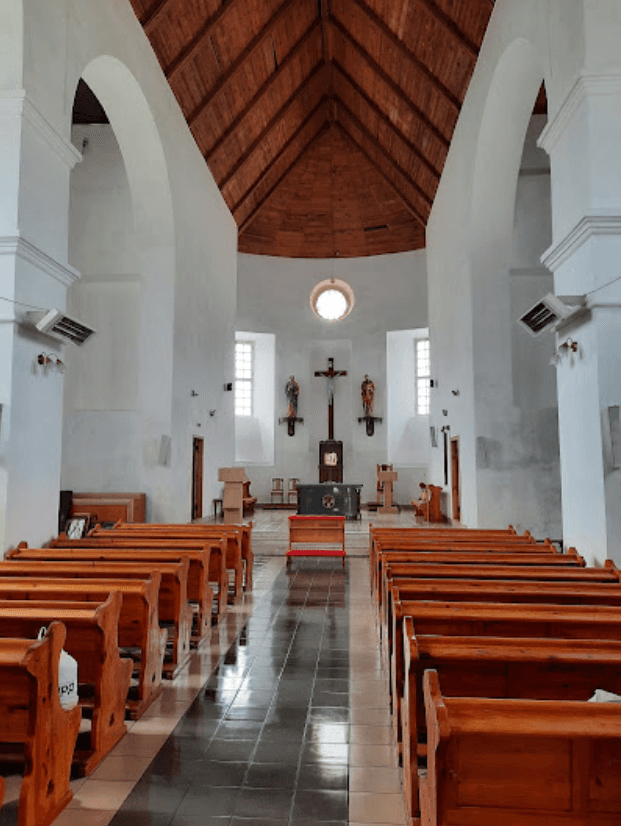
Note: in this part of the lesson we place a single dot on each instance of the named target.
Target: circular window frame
(332, 284)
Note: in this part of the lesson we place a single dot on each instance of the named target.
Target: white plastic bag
(67, 678)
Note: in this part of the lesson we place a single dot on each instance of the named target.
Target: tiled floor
(283, 719)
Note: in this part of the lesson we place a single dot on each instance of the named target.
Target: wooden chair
(504, 761)
(31, 715)
(292, 489)
(92, 638)
(248, 501)
(277, 489)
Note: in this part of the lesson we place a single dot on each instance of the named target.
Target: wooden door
(198, 445)
(455, 491)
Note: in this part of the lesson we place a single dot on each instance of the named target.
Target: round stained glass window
(332, 299)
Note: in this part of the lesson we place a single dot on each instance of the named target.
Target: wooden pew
(92, 638)
(316, 530)
(173, 606)
(519, 762)
(138, 621)
(546, 669)
(481, 619)
(213, 549)
(240, 535)
(31, 714)
(199, 591)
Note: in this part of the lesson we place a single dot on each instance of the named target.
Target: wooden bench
(212, 550)
(138, 621)
(480, 619)
(31, 715)
(173, 607)
(92, 638)
(547, 669)
(494, 762)
(233, 534)
(199, 591)
(316, 530)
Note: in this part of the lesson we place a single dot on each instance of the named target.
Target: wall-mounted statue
(292, 392)
(367, 391)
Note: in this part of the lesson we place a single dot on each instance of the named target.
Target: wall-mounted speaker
(164, 458)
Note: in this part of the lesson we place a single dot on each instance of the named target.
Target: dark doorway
(198, 446)
(455, 491)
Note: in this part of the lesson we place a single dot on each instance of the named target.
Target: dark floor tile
(150, 797)
(252, 821)
(208, 800)
(321, 805)
(264, 803)
(323, 775)
(140, 819)
(216, 773)
(270, 751)
(243, 712)
(314, 751)
(330, 699)
(287, 714)
(238, 730)
(287, 732)
(313, 822)
(271, 776)
(238, 751)
(199, 820)
(339, 684)
(325, 714)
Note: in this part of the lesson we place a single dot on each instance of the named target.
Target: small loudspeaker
(165, 450)
(615, 436)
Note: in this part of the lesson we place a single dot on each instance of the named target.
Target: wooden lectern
(233, 496)
(387, 478)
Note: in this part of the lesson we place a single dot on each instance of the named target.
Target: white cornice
(585, 86)
(14, 245)
(13, 104)
(591, 225)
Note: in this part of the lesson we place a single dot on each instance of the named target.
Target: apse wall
(273, 297)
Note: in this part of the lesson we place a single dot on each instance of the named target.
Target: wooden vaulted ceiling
(325, 123)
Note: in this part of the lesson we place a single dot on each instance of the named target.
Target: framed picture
(75, 527)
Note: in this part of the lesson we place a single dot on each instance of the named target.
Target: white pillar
(583, 143)
(35, 166)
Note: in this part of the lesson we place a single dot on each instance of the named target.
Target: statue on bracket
(292, 392)
(367, 390)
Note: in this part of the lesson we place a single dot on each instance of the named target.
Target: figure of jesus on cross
(330, 374)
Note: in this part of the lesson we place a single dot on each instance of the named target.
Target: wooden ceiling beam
(397, 90)
(451, 26)
(386, 121)
(199, 39)
(246, 54)
(263, 90)
(370, 137)
(281, 152)
(265, 132)
(411, 208)
(281, 178)
(150, 19)
(396, 41)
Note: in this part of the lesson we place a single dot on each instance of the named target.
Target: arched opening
(121, 238)
(518, 476)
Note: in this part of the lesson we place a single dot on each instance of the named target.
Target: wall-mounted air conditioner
(553, 313)
(61, 326)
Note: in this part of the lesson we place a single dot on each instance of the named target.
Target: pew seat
(34, 726)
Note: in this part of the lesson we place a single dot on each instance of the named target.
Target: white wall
(273, 297)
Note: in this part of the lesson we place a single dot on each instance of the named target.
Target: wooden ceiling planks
(271, 87)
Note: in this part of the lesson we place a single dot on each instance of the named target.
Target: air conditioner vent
(551, 312)
(58, 324)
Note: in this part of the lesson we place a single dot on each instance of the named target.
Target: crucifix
(330, 374)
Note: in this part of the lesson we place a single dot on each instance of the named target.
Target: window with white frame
(244, 352)
(423, 371)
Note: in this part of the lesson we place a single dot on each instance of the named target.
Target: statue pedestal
(387, 478)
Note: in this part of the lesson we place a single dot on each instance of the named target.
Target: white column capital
(16, 104)
(586, 86)
(20, 248)
(594, 224)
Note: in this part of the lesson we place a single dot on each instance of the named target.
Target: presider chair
(277, 490)
(292, 489)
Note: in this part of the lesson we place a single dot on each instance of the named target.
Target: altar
(329, 498)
